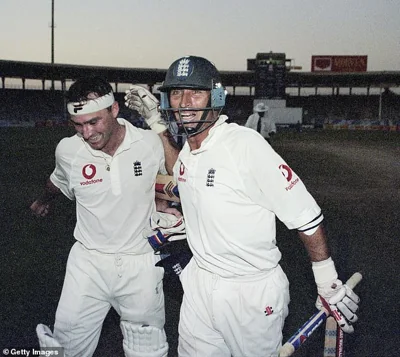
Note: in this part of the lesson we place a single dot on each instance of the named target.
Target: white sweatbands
(324, 271)
(91, 105)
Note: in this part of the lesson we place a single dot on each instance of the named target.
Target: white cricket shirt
(112, 207)
(267, 124)
(232, 188)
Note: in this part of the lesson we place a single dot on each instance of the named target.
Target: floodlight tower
(52, 38)
(52, 31)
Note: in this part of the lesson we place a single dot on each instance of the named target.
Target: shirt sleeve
(275, 186)
(60, 177)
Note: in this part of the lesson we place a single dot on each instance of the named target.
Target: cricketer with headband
(232, 187)
(109, 168)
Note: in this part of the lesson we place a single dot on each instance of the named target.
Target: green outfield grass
(353, 175)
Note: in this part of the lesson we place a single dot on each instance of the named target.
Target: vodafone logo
(89, 171)
(181, 173)
(286, 172)
(288, 175)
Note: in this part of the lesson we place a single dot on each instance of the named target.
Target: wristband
(324, 271)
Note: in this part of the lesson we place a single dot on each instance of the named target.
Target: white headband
(91, 105)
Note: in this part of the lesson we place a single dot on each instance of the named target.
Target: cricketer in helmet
(192, 96)
(233, 186)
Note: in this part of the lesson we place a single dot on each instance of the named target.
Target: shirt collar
(132, 134)
(207, 142)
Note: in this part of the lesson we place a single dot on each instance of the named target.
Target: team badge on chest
(137, 168)
(210, 178)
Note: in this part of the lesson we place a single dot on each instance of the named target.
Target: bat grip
(354, 280)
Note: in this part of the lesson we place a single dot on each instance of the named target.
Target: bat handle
(354, 280)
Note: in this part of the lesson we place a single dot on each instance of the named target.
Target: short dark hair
(80, 90)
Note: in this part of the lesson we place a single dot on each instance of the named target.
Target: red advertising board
(339, 63)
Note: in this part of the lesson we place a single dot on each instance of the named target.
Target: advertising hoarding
(339, 63)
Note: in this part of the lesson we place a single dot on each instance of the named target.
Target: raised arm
(147, 105)
(171, 150)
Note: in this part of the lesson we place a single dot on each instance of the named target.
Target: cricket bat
(334, 339)
(331, 331)
(340, 343)
(167, 188)
(312, 324)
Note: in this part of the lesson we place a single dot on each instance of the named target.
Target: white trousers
(96, 281)
(232, 317)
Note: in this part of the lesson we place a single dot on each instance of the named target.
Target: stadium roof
(151, 76)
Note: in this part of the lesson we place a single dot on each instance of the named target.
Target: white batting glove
(164, 228)
(146, 104)
(45, 337)
(334, 296)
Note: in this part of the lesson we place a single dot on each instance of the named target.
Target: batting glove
(164, 228)
(174, 264)
(146, 104)
(45, 337)
(337, 298)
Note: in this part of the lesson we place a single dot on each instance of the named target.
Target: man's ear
(115, 109)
